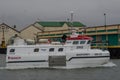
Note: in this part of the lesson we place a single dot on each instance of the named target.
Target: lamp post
(3, 44)
(105, 26)
(105, 19)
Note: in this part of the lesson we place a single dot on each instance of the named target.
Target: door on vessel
(57, 61)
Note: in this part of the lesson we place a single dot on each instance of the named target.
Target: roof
(60, 24)
(80, 37)
(75, 24)
(10, 27)
(30, 26)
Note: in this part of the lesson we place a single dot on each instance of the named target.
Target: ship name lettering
(17, 57)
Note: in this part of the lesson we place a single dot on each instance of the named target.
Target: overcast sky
(90, 12)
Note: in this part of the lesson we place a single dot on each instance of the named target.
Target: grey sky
(90, 12)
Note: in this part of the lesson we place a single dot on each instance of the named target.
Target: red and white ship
(76, 52)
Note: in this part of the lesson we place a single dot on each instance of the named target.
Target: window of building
(12, 50)
(60, 49)
(89, 42)
(51, 50)
(36, 50)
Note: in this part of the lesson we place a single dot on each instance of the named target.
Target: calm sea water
(98, 73)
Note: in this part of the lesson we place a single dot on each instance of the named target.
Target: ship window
(51, 49)
(79, 47)
(36, 50)
(75, 42)
(89, 42)
(82, 42)
(68, 42)
(12, 50)
(60, 49)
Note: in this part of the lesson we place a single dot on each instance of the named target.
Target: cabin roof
(80, 37)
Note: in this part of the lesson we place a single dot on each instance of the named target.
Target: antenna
(71, 12)
(71, 21)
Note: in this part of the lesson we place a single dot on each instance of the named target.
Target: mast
(73, 30)
(71, 20)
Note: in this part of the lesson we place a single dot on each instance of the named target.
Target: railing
(100, 45)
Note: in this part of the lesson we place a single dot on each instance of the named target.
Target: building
(6, 32)
(109, 35)
(32, 30)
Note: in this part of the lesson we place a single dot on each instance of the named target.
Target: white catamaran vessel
(76, 52)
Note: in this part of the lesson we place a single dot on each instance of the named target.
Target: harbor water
(106, 72)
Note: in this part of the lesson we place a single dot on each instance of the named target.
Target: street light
(105, 19)
(3, 29)
(105, 26)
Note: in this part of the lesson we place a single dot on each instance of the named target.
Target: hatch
(57, 61)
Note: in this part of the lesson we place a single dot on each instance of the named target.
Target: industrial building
(109, 34)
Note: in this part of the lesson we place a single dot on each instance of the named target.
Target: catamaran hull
(68, 64)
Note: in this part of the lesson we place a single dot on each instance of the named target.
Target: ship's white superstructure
(76, 52)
